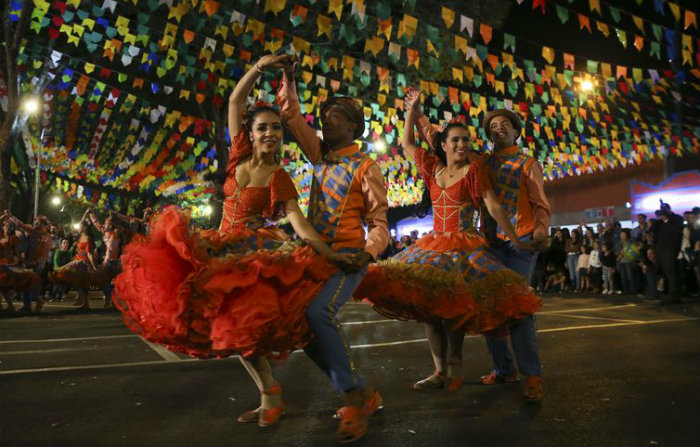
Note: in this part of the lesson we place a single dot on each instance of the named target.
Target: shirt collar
(508, 151)
(337, 154)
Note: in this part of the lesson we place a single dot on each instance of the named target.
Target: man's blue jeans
(522, 332)
(329, 349)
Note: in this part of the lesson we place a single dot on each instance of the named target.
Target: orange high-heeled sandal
(454, 383)
(249, 416)
(433, 381)
(269, 416)
(353, 424)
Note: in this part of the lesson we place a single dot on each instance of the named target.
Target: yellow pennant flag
(603, 28)
(548, 54)
(323, 23)
(448, 16)
(594, 5)
(335, 7)
(675, 10)
(275, 6)
(639, 23)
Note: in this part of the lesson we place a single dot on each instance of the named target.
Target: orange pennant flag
(584, 22)
(569, 61)
(638, 42)
(621, 72)
(486, 33)
(690, 19)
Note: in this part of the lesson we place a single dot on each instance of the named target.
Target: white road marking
(162, 351)
(601, 326)
(590, 309)
(371, 345)
(585, 317)
(103, 337)
(49, 351)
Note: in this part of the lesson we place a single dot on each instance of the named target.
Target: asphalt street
(619, 372)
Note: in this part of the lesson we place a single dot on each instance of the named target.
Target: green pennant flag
(477, 81)
(383, 10)
(509, 41)
(545, 97)
(592, 67)
(657, 30)
(410, 4)
(655, 49)
(433, 64)
(513, 88)
(433, 34)
(345, 33)
(359, 23)
(563, 14)
(482, 51)
(569, 76)
(615, 13)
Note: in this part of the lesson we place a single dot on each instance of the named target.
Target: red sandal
(354, 420)
(269, 416)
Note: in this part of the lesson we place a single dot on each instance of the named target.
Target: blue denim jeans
(572, 262)
(522, 332)
(329, 349)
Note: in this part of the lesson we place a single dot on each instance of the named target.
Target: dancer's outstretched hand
(412, 99)
(291, 66)
(271, 61)
(345, 261)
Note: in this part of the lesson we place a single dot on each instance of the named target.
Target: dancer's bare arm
(303, 228)
(411, 106)
(236, 102)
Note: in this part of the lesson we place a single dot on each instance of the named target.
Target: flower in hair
(460, 119)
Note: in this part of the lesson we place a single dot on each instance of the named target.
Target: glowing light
(628, 205)
(679, 201)
(31, 105)
(76, 226)
(55, 200)
(208, 210)
(586, 86)
(380, 146)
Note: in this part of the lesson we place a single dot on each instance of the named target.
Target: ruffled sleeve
(426, 162)
(478, 181)
(281, 189)
(241, 147)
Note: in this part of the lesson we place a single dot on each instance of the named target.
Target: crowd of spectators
(658, 258)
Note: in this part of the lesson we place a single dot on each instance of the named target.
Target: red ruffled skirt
(209, 294)
(450, 276)
(17, 278)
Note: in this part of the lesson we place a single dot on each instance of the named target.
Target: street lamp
(208, 210)
(55, 200)
(586, 86)
(31, 106)
(380, 146)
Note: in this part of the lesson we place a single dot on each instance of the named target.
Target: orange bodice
(246, 208)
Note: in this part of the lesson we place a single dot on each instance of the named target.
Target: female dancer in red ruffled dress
(13, 277)
(447, 279)
(244, 288)
(82, 272)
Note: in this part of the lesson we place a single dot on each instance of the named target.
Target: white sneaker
(618, 292)
(604, 292)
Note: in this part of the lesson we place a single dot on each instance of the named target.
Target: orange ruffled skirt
(209, 294)
(450, 276)
(17, 278)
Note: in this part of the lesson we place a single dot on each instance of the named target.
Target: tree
(12, 26)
